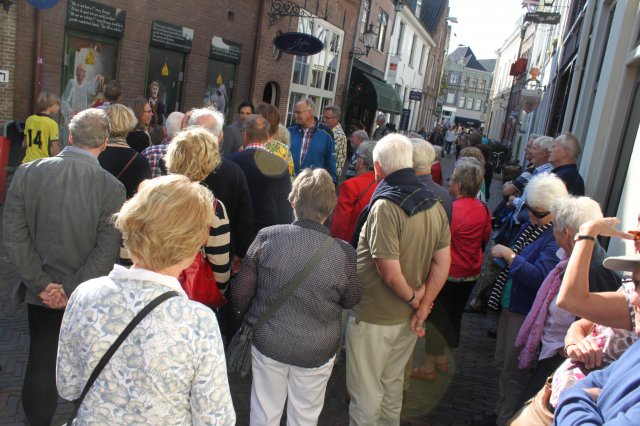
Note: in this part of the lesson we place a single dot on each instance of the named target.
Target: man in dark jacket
(563, 155)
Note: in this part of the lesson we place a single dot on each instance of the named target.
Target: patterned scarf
(531, 331)
(529, 235)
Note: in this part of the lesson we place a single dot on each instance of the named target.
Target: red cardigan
(353, 195)
(470, 231)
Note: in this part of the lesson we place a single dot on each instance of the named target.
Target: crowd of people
(359, 233)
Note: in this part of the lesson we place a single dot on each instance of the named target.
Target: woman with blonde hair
(171, 368)
(119, 159)
(139, 138)
(194, 153)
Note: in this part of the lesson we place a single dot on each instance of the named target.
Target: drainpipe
(581, 59)
(37, 63)
(256, 50)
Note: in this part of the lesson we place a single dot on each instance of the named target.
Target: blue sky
(483, 24)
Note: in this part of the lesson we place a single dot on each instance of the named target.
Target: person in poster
(78, 94)
(156, 104)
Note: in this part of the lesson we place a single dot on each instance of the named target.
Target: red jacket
(436, 173)
(470, 231)
(353, 196)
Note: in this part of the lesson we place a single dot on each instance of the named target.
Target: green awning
(388, 99)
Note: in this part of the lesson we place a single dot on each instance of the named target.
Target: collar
(141, 274)
(42, 114)
(310, 224)
(254, 145)
(75, 150)
(565, 166)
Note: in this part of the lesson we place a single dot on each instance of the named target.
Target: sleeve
(210, 396)
(342, 213)
(68, 366)
(242, 227)
(244, 285)
(285, 211)
(101, 259)
(353, 287)
(445, 232)
(53, 131)
(17, 238)
(330, 159)
(576, 407)
(218, 245)
(382, 230)
(532, 275)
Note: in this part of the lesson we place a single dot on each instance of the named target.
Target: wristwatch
(584, 237)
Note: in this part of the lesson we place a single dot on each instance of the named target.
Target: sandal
(419, 373)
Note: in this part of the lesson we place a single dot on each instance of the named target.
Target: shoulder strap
(114, 347)
(295, 282)
(126, 166)
(364, 192)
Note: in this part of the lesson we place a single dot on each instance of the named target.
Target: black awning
(468, 121)
(370, 93)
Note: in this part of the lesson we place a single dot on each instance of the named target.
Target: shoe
(442, 367)
(487, 420)
(419, 373)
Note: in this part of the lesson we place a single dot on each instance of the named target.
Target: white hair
(393, 152)
(572, 212)
(423, 155)
(438, 149)
(570, 142)
(199, 117)
(544, 142)
(172, 124)
(543, 190)
(360, 134)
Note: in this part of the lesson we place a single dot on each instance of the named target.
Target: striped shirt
(218, 245)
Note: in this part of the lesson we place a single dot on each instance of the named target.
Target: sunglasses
(537, 214)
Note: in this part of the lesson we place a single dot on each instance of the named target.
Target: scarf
(526, 237)
(403, 188)
(531, 331)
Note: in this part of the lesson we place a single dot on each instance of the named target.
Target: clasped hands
(54, 296)
(422, 310)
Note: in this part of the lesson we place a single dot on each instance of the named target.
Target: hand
(593, 393)
(54, 296)
(235, 264)
(586, 351)
(419, 317)
(420, 292)
(605, 227)
(501, 251)
(510, 202)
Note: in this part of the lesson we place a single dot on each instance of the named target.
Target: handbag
(239, 349)
(200, 284)
(536, 411)
(114, 347)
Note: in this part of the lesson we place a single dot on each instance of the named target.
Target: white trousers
(376, 357)
(274, 382)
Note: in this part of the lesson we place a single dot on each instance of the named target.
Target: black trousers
(39, 392)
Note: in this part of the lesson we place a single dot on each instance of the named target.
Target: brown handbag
(536, 411)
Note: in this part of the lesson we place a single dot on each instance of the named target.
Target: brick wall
(7, 61)
(233, 20)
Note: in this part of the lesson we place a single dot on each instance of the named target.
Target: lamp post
(369, 37)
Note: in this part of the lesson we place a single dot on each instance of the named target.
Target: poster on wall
(165, 68)
(170, 36)
(223, 59)
(95, 18)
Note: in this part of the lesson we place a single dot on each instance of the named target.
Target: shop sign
(95, 18)
(299, 44)
(224, 50)
(43, 4)
(393, 70)
(415, 95)
(170, 36)
(550, 18)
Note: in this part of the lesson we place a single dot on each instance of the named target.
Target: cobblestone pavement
(469, 389)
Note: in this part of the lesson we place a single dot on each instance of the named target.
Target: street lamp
(398, 5)
(452, 19)
(369, 41)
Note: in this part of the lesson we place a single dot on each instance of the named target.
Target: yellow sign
(219, 80)
(165, 70)
(90, 60)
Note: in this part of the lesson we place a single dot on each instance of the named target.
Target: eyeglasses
(300, 112)
(537, 214)
(148, 111)
(328, 118)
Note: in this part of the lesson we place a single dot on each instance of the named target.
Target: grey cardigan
(57, 222)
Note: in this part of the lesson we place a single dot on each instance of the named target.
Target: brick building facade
(7, 62)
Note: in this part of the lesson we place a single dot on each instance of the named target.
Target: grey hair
(438, 149)
(544, 142)
(393, 152)
(365, 152)
(469, 174)
(283, 135)
(381, 117)
(313, 195)
(414, 135)
(309, 103)
(570, 142)
(172, 123)
(543, 190)
(199, 118)
(423, 155)
(572, 212)
(360, 134)
(533, 137)
(334, 109)
(90, 128)
(256, 128)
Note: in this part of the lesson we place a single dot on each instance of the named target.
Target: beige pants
(376, 357)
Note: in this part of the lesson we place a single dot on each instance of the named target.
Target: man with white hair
(355, 139)
(403, 260)
(382, 130)
(563, 155)
(423, 156)
(155, 153)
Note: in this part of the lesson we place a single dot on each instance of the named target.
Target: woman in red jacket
(354, 194)
(470, 230)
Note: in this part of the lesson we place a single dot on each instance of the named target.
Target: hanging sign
(225, 50)
(170, 36)
(95, 18)
(530, 99)
(415, 95)
(393, 70)
(550, 18)
(299, 44)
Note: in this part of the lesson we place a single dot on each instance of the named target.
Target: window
(469, 104)
(461, 102)
(482, 86)
(473, 84)
(293, 99)
(465, 85)
(400, 37)
(478, 105)
(454, 78)
(412, 51)
(383, 20)
(422, 58)
(451, 97)
(301, 70)
(366, 11)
